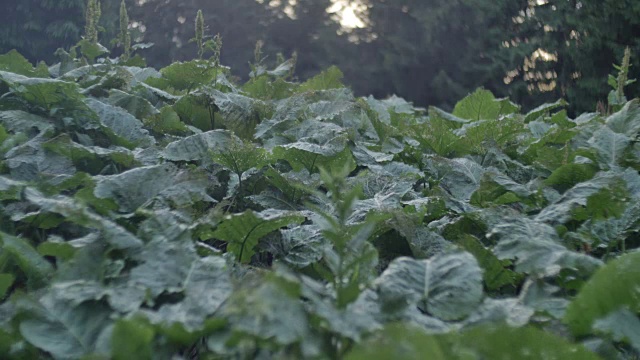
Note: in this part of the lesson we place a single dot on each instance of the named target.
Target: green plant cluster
(175, 213)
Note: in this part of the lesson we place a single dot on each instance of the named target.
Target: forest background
(431, 52)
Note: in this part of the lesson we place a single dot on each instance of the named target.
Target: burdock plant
(125, 35)
(92, 17)
(617, 98)
(200, 33)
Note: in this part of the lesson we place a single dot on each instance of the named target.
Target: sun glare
(346, 11)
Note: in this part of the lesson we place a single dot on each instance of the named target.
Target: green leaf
(62, 250)
(543, 110)
(166, 121)
(198, 147)
(399, 341)
(449, 285)
(495, 272)
(625, 121)
(623, 325)
(78, 213)
(504, 342)
(613, 287)
(159, 184)
(6, 280)
(91, 50)
(240, 156)
(536, 247)
(302, 245)
(481, 105)
(32, 264)
(242, 231)
(269, 310)
(238, 112)
(461, 177)
(21, 121)
(304, 155)
(188, 75)
(602, 196)
(498, 189)
(65, 330)
(326, 80)
(44, 93)
(198, 109)
(207, 286)
(569, 175)
(136, 105)
(609, 146)
(90, 159)
(121, 123)
(131, 339)
(16, 63)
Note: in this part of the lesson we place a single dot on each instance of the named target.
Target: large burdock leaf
(326, 80)
(164, 265)
(79, 214)
(460, 177)
(136, 105)
(504, 342)
(536, 248)
(242, 231)
(91, 159)
(449, 285)
(302, 246)
(207, 285)
(613, 287)
(623, 325)
(121, 123)
(544, 109)
(269, 310)
(239, 113)
(198, 147)
(609, 146)
(14, 62)
(44, 93)
(30, 161)
(132, 339)
(187, 75)
(605, 193)
(482, 105)
(65, 330)
(136, 187)
(626, 121)
(401, 341)
(32, 264)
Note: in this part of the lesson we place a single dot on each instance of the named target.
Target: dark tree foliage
(171, 24)
(436, 51)
(431, 52)
(586, 37)
(36, 28)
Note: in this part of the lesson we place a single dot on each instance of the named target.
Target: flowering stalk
(125, 35)
(92, 17)
(200, 33)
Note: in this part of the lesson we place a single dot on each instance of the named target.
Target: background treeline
(431, 52)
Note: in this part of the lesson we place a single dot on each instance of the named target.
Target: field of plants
(177, 214)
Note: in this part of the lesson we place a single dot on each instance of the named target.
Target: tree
(580, 41)
(436, 51)
(36, 28)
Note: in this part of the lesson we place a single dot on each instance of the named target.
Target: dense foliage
(176, 213)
